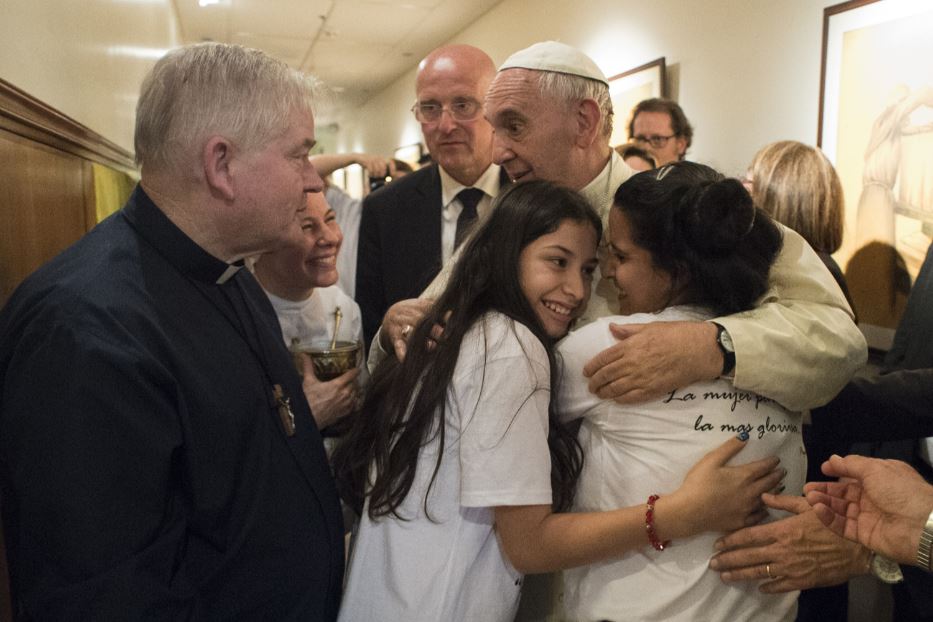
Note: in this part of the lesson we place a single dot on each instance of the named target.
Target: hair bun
(716, 215)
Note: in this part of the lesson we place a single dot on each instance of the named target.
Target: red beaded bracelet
(649, 526)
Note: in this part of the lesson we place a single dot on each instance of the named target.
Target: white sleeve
(376, 352)
(503, 403)
(574, 399)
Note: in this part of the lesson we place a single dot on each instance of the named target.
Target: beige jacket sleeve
(376, 352)
(800, 346)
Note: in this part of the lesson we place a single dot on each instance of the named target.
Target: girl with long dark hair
(459, 460)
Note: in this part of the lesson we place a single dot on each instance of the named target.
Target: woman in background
(300, 280)
(796, 185)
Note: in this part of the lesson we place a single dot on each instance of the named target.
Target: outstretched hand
(882, 504)
(794, 553)
(654, 359)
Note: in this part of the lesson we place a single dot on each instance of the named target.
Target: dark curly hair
(704, 230)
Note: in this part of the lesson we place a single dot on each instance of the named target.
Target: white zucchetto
(558, 57)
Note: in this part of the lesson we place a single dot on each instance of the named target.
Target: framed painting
(630, 87)
(876, 127)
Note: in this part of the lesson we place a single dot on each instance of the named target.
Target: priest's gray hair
(206, 89)
(571, 89)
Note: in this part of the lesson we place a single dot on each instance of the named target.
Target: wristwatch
(885, 569)
(724, 341)
(925, 550)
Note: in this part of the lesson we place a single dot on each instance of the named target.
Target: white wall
(745, 71)
(82, 57)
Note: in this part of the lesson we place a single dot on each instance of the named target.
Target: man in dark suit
(411, 227)
(158, 458)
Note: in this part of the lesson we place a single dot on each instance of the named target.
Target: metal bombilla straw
(337, 317)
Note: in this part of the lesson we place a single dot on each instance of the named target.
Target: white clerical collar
(488, 182)
(231, 270)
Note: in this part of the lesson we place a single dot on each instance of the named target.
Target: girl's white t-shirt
(633, 451)
(448, 565)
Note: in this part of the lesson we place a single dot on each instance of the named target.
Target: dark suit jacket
(898, 404)
(145, 470)
(399, 251)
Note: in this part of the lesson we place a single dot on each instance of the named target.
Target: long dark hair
(704, 230)
(404, 407)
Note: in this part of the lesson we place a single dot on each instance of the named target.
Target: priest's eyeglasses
(459, 110)
(656, 141)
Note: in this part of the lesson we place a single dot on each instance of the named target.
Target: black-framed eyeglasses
(657, 142)
(460, 110)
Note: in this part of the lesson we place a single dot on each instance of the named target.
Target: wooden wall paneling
(25, 115)
(46, 204)
(46, 182)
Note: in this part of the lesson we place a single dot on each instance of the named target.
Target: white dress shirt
(488, 182)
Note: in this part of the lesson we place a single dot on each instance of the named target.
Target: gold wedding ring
(768, 570)
(405, 331)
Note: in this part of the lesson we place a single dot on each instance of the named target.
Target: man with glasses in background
(410, 227)
(660, 126)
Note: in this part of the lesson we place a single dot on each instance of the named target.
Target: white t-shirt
(495, 453)
(634, 451)
(313, 319)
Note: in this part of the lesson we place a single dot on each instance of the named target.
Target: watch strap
(925, 550)
(728, 354)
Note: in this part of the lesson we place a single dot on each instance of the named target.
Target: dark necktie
(469, 198)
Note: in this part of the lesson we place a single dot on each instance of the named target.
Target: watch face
(886, 569)
(726, 340)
